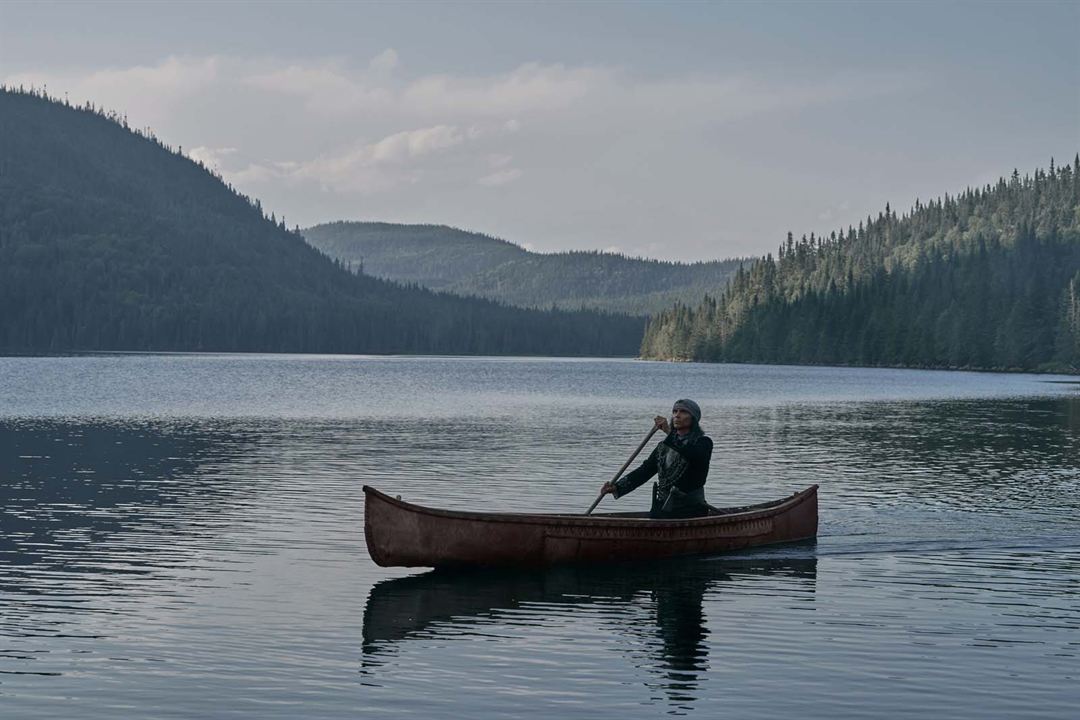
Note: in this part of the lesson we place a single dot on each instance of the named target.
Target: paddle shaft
(623, 468)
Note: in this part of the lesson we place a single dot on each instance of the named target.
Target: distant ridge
(473, 264)
(988, 279)
(110, 240)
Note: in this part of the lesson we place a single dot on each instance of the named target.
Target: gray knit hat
(689, 406)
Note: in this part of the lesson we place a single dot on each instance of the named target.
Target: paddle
(625, 465)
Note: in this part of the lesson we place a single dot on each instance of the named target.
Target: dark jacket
(682, 465)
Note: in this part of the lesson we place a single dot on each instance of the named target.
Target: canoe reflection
(446, 605)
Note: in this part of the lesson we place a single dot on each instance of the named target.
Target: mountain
(987, 279)
(472, 264)
(110, 240)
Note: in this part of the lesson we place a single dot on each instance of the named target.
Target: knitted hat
(689, 406)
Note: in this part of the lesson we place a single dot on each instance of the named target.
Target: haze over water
(183, 538)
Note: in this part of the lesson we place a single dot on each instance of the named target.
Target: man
(680, 462)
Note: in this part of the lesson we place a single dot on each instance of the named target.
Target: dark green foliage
(111, 241)
(987, 279)
(467, 263)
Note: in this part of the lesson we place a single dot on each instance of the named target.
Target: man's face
(681, 420)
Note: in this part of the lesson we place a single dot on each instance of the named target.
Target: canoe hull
(400, 534)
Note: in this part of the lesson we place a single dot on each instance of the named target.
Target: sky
(680, 131)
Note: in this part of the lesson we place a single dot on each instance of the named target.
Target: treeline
(111, 240)
(986, 279)
(473, 264)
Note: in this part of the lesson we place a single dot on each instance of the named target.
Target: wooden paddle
(625, 465)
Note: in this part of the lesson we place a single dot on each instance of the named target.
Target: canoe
(400, 534)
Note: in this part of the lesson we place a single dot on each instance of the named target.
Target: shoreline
(1071, 372)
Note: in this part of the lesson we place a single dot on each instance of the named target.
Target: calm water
(182, 537)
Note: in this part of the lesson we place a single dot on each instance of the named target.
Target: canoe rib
(402, 534)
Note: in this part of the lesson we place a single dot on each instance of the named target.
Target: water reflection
(1072, 412)
(658, 606)
(88, 503)
(990, 457)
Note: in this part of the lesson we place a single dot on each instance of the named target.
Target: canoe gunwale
(773, 509)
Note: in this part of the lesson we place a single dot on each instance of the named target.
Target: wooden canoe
(400, 534)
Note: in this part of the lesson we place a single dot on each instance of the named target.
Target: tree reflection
(1072, 411)
(94, 501)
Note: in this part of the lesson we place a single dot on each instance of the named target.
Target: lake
(183, 538)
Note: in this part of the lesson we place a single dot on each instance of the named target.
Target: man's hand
(607, 488)
(661, 422)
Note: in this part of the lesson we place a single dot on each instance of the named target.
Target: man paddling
(680, 462)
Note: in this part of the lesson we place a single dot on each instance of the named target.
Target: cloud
(530, 88)
(211, 157)
(262, 173)
(503, 177)
(174, 78)
(384, 62)
(326, 89)
(415, 143)
(835, 212)
(620, 158)
(397, 159)
(394, 160)
(146, 91)
(331, 88)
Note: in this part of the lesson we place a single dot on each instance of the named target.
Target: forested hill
(110, 240)
(468, 263)
(987, 279)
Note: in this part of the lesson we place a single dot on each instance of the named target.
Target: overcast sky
(678, 131)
